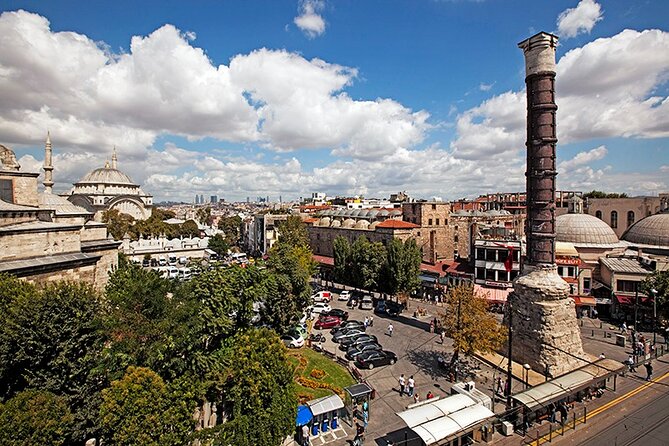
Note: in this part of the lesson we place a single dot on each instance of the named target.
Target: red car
(327, 322)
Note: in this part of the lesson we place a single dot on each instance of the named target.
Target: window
(614, 219)
(455, 238)
(480, 273)
(560, 271)
(630, 218)
(626, 286)
(490, 255)
(513, 275)
(480, 254)
(429, 222)
(490, 274)
(598, 214)
(437, 223)
(7, 191)
(570, 271)
(434, 207)
(586, 285)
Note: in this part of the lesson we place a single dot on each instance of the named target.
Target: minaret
(543, 317)
(48, 165)
(114, 159)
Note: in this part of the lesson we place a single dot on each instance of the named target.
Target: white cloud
(310, 21)
(574, 21)
(664, 168)
(485, 87)
(583, 158)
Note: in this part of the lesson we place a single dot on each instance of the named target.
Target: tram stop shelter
(325, 412)
(569, 387)
(454, 420)
(357, 396)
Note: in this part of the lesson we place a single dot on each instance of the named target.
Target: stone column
(545, 330)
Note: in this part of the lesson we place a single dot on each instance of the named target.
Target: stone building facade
(621, 213)
(43, 237)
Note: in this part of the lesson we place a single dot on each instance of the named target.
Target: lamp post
(653, 291)
(527, 375)
(509, 374)
(636, 304)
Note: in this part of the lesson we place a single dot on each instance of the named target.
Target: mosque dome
(106, 175)
(584, 229)
(652, 230)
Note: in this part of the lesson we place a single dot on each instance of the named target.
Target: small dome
(395, 213)
(336, 224)
(348, 223)
(106, 175)
(584, 229)
(383, 213)
(373, 225)
(362, 224)
(325, 221)
(60, 204)
(652, 230)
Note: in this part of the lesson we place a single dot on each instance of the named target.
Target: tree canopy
(293, 232)
(601, 194)
(658, 281)
(232, 228)
(219, 244)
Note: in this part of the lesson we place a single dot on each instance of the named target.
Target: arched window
(598, 214)
(614, 219)
(630, 218)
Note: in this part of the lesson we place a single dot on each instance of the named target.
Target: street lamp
(527, 375)
(653, 291)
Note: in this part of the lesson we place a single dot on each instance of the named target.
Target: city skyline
(349, 98)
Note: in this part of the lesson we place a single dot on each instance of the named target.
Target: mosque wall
(25, 244)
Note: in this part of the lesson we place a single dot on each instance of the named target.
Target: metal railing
(546, 432)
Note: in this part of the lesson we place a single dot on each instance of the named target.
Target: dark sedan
(346, 325)
(341, 314)
(371, 359)
(347, 342)
(347, 334)
(354, 351)
(327, 322)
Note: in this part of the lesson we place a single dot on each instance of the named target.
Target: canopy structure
(358, 390)
(568, 384)
(304, 415)
(325, 405)
(446, 426)
(440, 408)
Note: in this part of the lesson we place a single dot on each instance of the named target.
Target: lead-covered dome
(652, 230)
(584, 229)
(106, 175)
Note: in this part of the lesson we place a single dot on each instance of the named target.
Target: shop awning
(304, 415)
(440, 408)
(629, 300)
(325, 404)
(497, 295)
(584, 301)
(427, 278)
(436, 430)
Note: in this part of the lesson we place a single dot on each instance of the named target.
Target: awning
(325, 404)
(427, 278)
(570, 383)
(304, 415)
(584, 301)
(629, 300)
(440, 408)
(497, 295)
(436, 430)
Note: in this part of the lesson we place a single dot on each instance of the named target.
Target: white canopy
(325, 404)
(440, 428)
(440, 408)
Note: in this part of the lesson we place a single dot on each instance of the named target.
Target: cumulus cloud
(581, 19)
(664, 168)
(310, 21)
(485, 87)
(583, 158)
(65, 82)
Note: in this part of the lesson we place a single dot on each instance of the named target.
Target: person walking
(402, 384)
(499, 389)
(623, 327)
(411, 383)
(390, 330)
(442, 336)
(366, 323)
(371, 320)
(305, 435)
(649, 370)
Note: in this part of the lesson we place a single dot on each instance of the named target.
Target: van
(172, 259)
(183, 260)
(367, 303)
(239, 257)
(322, 296)
(173, 273)
(184, 273)
(162, 261)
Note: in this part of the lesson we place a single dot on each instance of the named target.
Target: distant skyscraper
(201, 199)
(213, 199)
(197, 199)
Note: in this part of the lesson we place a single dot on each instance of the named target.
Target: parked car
(293, 340)
(388, 307)
(371, 359)
(355, 350)
(344, 295)
(322, 296)
(348, 342)
(366, 303)
(299, 330)
(352, 302)
(320, 307)
(347, 334)
(345, 325)
(341, 314)
(327, 322)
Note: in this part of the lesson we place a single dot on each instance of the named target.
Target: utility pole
(654, 293)
(509, 374)
(636, 304)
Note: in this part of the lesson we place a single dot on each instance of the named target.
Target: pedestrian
(305, 435)
(602, 356)
(431, 326)
(371, 321)
(416, 398)
(359, 435)
(649, 371)
(623, 327)
(442, 335)
(499, 389)
(390, 330)
(366, 323)
(411, 383)
(402, 384)
(365, 418)
(429, 395)
(630, 364)
(564, 412)
(551, 412)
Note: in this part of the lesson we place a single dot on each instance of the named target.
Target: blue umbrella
(304, 415)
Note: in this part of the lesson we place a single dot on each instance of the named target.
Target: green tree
(257, 388)
(189, 228)
(232, 227)
(342, 260)
(366, 261)
(293, 232)
(140, 409)
(658, 281)
(600, 194)
(51, 339)
(218, 244)
(296, 263)
(36, 418)
(467, 321)
(203, 215)
(117, 223)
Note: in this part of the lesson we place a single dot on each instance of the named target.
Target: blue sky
(256, 98)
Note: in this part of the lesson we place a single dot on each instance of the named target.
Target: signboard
(567, 261)
(498, 284)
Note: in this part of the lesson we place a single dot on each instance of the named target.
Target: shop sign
(498, 284)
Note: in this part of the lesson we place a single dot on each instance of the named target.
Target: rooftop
(625, 265)
(397, 224)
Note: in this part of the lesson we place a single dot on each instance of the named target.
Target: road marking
(606, 406)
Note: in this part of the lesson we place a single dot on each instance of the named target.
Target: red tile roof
(324, 260)
(397, 224)
(310, 220)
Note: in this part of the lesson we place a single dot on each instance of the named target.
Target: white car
(322, 296)
(293, 341)
(344, 295)
(320, 307)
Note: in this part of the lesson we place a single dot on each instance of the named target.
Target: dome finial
(114, 159)
(106, 164)
(48, 166)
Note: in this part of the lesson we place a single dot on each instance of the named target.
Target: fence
(548, 432)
